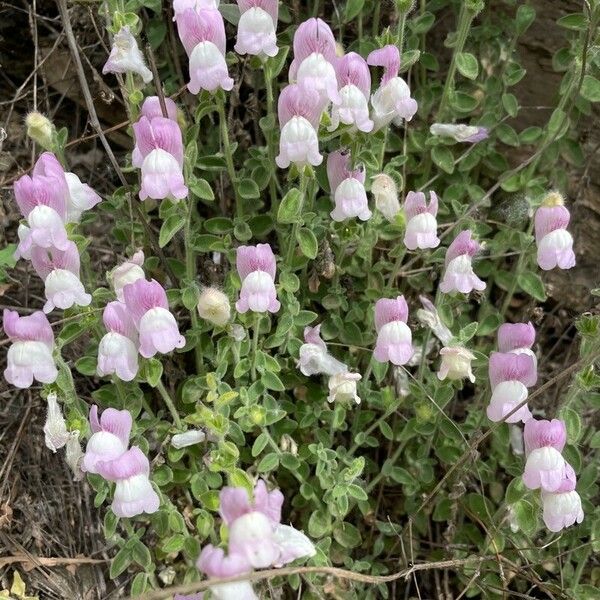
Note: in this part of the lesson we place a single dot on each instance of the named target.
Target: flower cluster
(256, 540)
(158, 151)
(107, 455)
(49, 199)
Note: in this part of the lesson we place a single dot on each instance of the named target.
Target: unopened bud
(188, 438)
(287, 444)
(553, 198)
(214, 306)
(40, 129)
(238, 333)
(55, 429)
(385, 191)
(404, 6)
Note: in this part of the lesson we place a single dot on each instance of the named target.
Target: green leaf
(510, 103)
(357, 492)
(259, 444)
(201, 188)
(268, 463)
(272, 382)
(86, 365)
(120, 562)
(575, 21)
(507, 135)
(525, 17)
(467, 65)
(346, 535)
(443, 158)
(7, 258)
(248, 189)
(590, 89)
(353, 8)
(171, 225)
(573, 424)
(423, 23)
(153, 370)
(141, 555)
(308, 242)
(526, 516)
(290, 208)
(532, 284)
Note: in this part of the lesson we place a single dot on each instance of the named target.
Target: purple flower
(421, 223)
(554, 242)
(506, 396)
(151, 108)
(126, 57)
(392, 100)
(30, 354)
(459, 275)
(256, 32)
(542, 433)
(198, 25)
(162, 177)
(313, 36)
(134, 493)
(256, 266)
(208, 69)
(347, 187)
(394, 338)
(216, 564)
(507, 366)
(299, 115)
(159, 132)
(109, 440)
(561, 510)
(515, 336)
(545, 468)
(59, 269)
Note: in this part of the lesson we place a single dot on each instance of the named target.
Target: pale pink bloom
(181, 5)
(385, 191)
(561, 510)
(128, 272)
(208, 69)
(298, 144)
(542, 433)
(46, 229)
(151, 108)
(126, 57)
(257, 27)
(460, 133)
(235, 502)
(392, 100)
(514, 337)
(162, 177)
(456, 364)
(394, 338)
(214, 306)
(506, 396)
(55, 428)
(545, 468)
(256, 266)
(30, 354)
(154, 134)
(134, 493)
(342, 387)
(81, 198)
(110, 437)
(313, 36)
(216, 564)
(507, 366)
(251, 536)
(298, 101)
(314, 357)
(141, 296)
(554, 242)
(317, 74)
(459, 275)
(354, 81)
(60, 272)
(347, 187)
(429, 316)
(47, 187)
(421, 223)
(196, 26)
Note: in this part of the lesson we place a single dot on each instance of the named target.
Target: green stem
(227, 152)
(374, 426)
(436, 301)
(392, 460)
(396, 269)
(160, 386)
(257, 318)
(269, 135)
(376, 17)
(292, 241)
(464, 24)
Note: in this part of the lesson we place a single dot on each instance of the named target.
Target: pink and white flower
(554, 242)
(128, 272)
(199, 24)
(147, 303)
(394, 338)
(256, 32)
(151, 108)
(545, 468)
(313, 36)
(109, 440)
(392, 100)
(126, 57)
(459, 275)
(256, 266)
(561, 510)
(421, 223)
(347, 187)
(134, 493)
(299, 114)
(162, 177)
(216, 564)
(59, 269)
(156, 133)
(460, 132)
(117, 351)
(81, 198)
(539, 433)
(30, 354)
(354, 81)
(314, 356)
(456, 364)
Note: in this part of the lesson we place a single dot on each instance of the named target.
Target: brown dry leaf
(6, 513)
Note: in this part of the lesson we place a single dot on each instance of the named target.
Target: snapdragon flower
(126, 57)
(561, 509)
(59, 270)
(81, 198)
(392, 101)
(460, 132)
(56, 434)
(459, 275)
(385, 191)
(214, 306)
(257, 27)
(256, 266)
(421, 223)
(127, 272)
(394, 338)
(314, 356)
(347, 187)
(299, 114)
(430, 317)
(30, 354)
(554, 242)
(151, 108)
(456, 364)
(147, 303)
(354, 81)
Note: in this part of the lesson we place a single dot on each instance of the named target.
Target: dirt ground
(49, 528)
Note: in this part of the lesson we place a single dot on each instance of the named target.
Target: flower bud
(40, 129)
(385, 191)
(342, 387)
(213, 306)
(188, 438)
(404, 6)
(553, 198)
(55, 428)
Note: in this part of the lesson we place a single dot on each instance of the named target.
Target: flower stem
(304, 180)
(227, 153)
(269, 135)
(160, 386)
(257, 318)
